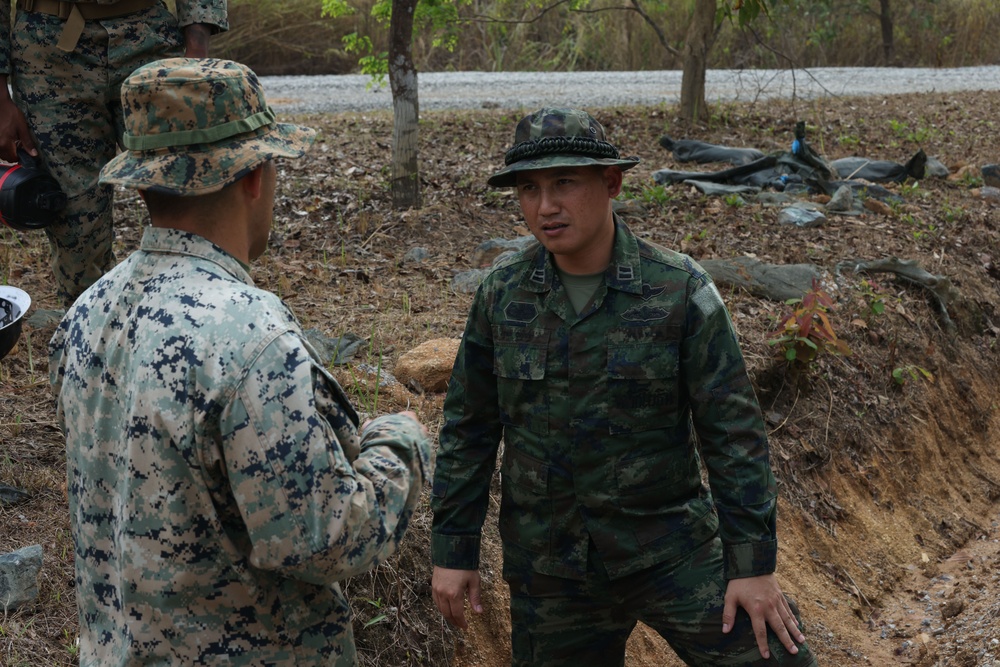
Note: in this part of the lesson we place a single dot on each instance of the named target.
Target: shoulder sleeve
(468, 446)
(212, 12)
(731, 431)
(317, 505)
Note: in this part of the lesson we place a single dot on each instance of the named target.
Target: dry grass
(337, 258)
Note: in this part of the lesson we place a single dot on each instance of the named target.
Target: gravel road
(515, 90)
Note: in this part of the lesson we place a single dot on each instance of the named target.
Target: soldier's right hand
(449, 588)
(14, 131)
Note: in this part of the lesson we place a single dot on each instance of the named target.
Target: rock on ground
(429, 364)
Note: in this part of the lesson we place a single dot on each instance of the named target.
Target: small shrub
(806, 332)
(873, 297)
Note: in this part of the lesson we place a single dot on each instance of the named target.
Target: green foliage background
(294, 37)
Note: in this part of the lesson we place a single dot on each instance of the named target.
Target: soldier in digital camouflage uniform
(65, 62)
(219, 483)
(593, 356)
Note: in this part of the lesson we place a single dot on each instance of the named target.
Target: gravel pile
(530, 90)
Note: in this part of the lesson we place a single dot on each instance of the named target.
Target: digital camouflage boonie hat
(193, 126)
(558, 138)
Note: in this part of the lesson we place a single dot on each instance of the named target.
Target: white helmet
(13, 305)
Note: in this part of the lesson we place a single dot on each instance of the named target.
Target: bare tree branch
(636, 7)
(659, 32)
(481, 18)
(792, 63)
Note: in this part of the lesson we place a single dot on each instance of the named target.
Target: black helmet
(29, 197)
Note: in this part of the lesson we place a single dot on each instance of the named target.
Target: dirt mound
(887, 458)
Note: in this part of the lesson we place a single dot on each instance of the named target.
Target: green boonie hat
(195, 125)
(558, 138)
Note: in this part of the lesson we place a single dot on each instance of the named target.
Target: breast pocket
(519, 358)
(643, 376)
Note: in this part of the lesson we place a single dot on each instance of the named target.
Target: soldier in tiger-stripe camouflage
(591, 355)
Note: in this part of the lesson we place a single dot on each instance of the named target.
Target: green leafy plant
(375, 65)
(657, 194)
(366, 377)
(806, 332)
(375, 619)
(72, 643)
(970, 180)
(849, 140)
(434, 18)
(734, 200)
(910, 189)
(873, 296)
(919, 227)
(952, 213)
(653, 194)
(700, 236)
(904, 374)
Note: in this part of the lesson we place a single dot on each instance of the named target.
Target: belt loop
(71, 30)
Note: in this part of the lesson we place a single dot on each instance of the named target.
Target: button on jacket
(218, 488)
(598, 412)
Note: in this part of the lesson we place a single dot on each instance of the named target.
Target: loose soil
(888, 519)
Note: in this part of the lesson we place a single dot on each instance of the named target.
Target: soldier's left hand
(763, 600)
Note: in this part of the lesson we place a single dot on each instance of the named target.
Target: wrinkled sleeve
(5, 40)
(731, 432)
(319, 504)
(467, 452)
(57, 351)
(212, 12)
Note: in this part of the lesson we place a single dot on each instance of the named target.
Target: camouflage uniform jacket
(218, 487)
(596, 413)
(189, 12)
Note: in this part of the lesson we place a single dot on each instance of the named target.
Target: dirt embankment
(888, 515)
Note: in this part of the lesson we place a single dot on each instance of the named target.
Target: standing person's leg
(684, 600)
(61, 94)
(136, 40)
(557, 623)
(72, 103)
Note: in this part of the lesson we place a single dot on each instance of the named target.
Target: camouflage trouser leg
(559, 622)
(73, 106)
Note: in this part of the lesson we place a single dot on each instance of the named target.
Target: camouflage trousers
(73, 106)
(561, 622)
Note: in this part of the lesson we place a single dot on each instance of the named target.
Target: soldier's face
(568, 209)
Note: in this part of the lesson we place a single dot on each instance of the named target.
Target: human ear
(613, 180)
(253, 182)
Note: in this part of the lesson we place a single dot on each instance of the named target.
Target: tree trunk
(885, 18)
(699, 40)
(405, 109)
